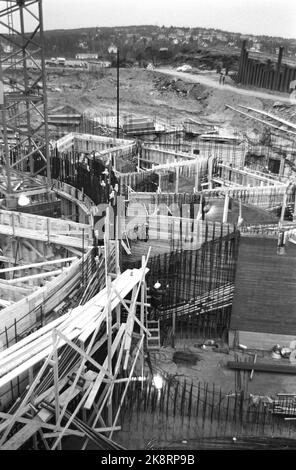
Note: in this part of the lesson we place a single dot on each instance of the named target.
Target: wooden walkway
(49, 230)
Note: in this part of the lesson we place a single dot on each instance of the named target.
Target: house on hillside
(221, 37)
(112, 49)
(82, 45)
(86, 56)
(207, 37)
(256, 47)
(180, 33)
(164, 52)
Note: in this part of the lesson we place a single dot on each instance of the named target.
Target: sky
(261, 17)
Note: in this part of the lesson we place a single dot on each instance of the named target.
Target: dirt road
(211, 82)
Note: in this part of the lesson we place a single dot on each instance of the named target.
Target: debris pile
(195, 90)
(186, 357)
(285, 111)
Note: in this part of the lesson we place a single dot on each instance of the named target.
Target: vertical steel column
(286, 82)
(26, 83)
(4, 129)
(245, 68)
(242, 61)
(45, 103)
(117, 134)
(278, 67)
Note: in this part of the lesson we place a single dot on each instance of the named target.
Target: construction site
(147, 253)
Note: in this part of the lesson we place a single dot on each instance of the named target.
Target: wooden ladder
(153, 341)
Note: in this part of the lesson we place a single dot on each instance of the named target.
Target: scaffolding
(65, 377)
(23, 100)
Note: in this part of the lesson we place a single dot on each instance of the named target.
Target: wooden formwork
(46, 229)
(61, 350)
(242, 177)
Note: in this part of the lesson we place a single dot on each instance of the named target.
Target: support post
(284, 204)
(109, 343)
(106, 243)
(26, 85)
(225, 210)
(210, 172)
(45, 103)
(56, 380)
(282, 168)
(117, 266)
(196, 184)
(174, 328)
(177, 180)
(31, 378)
(159, 183)
(4, 131)
(278, 67)
(117, 93)
(142, 316)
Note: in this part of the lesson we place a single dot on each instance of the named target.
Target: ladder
(153, 341)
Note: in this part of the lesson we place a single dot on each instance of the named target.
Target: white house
(86, 56)
(112, 49)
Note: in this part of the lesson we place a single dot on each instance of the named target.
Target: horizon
(173, 26)
(273, 18)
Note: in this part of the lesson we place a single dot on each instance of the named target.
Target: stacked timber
(78, 324)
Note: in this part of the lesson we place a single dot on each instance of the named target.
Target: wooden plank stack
(76, 324)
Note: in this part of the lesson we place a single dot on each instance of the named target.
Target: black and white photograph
(147, 229)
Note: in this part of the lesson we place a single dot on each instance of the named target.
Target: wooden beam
(101, 375)
(6, 303)
(27, 421)
(20, 437)
(102, 369)
(38, 265)
(225, 210)
(262, 367)
(74, 251)
(107, 394)
(29, 245)
(80, 369)
(138, 349)
(26, 399)
(21, 290)
(260, 120)
(106, 429)
(68, 432)
(84, 397)
(271, 116)
(16, 280)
